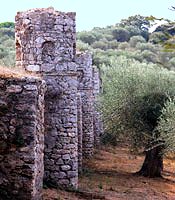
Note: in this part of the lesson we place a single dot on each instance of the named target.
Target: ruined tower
(45, 44)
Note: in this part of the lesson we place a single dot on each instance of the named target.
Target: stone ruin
(21, 137)
(48, 123)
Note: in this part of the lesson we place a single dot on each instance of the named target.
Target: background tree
(121, 34)
(136, 39)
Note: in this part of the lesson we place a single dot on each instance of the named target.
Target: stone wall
(97, 119)
(61, 139)
(45, 42)
(85, 87)
(45, 39)
(80, 131)
(46, 45)
(21, 138)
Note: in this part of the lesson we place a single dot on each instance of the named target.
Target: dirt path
(109, 175)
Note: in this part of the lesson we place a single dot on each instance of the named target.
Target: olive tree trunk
(153, 163)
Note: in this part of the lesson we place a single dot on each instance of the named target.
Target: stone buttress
(21, 138)
(85, 87)
(97, 119)
(80, 131)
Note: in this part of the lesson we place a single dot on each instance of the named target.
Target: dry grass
(110, 175)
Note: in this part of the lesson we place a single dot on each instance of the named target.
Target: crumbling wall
(85, 87)
(46, 45)
(45, 42)
(61, 139)
(80, 131)
(97, 119)
(21, 138)
(45, 39)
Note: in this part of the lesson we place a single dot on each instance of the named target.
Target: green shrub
(149, 56)
(136, 39)
(7, 25)
(123, 45)
(158, 37)
(148, 46)
(121, 34)
(132, 90)
(166, 126)
(101, 44)
(81, 46)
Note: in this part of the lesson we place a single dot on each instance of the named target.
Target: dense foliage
(7, 44)
(166, 126)
(134, 59)
(133, 96)
(133, 38)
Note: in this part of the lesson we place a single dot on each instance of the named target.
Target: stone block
(65, 167)
(33, 68)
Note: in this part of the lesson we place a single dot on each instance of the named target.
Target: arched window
(48, 51)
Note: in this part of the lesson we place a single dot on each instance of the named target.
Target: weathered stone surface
(21, 139)
(14, 89)
(47, 35)
(45, 44)
(33, 68)
(65, 167)
(61, 128)
(98, 125)
(85, 87)
(80, 131)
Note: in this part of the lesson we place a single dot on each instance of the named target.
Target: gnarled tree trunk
(153, 163)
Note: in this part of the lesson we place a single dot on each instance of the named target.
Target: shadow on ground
(110, 175)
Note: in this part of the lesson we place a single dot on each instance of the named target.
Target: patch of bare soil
(109, 175)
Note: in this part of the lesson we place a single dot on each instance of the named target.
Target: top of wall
(47, 16)
(15, 73)
(45, 38)
(49, 10)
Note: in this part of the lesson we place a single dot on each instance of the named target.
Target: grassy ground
(109, 175)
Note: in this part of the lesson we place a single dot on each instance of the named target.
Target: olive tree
(134, 95)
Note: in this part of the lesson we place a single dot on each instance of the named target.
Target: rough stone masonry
(46, 45)
(21, 137)
(45, 41)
